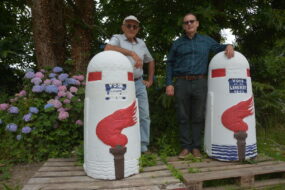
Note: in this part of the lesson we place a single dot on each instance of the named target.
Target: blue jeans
(142, 97)
(190, 99)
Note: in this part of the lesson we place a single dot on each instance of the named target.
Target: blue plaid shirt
(190, 56)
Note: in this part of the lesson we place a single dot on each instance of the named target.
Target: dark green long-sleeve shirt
(190, 56)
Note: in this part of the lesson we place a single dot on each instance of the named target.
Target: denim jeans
(142, 97)
(190, 100)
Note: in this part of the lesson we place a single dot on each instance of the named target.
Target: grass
(271, 142)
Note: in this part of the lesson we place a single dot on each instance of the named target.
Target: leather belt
(191, 77)
(137, 78)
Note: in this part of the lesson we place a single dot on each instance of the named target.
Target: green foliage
(147, 160)
(175, 172)
(36, 125)
(79, 152)
(193, 170)
(4, 171)
(190, 158)
(164, 129)
(6, 187)
(271, 142)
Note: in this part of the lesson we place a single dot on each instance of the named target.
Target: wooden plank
(32, 187)
(183, 164)
(62, 168)
(268, 182)
(155, 168)
(47, 180)
(151, 174)
(234, 173)
(60, 174)
(82, 173)
(217, 167)
(107, 184)
(62, 160)
(257, 184)
(58, 164)
(246, 181)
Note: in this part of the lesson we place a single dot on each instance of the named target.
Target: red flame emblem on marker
(233, 117)
(109, 129)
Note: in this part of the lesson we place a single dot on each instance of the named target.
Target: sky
(228, 35)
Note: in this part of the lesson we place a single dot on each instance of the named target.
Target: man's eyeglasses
(129, 26)
(189, 22)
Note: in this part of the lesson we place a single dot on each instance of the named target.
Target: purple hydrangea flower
(66, 101)
(62, 76)
(48, 106)
(60, 109)
(70, 81)
(78, 77)
(51, 89)
(52, 75)
(73, 89)
(57, 103)
(38, 88)
(39, 75)
(27, 117)
(30, 75)
(26, 129)
(63, 115)
(36, 81)
(34, 110)
(13, 109)
(61, 94)
(22, 93)
(47, 82)
(56, 82)
(79, 122)
(62, 88)
(14, 99)
(19, 137)
(12, 127)
(69, 95)
(57, 69)
(4, 106)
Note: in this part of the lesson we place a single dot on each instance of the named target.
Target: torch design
(232, 119)
(109, 131)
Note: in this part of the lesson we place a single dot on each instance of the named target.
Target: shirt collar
(195, 36)
(126, 39)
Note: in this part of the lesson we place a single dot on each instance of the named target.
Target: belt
(137, 78)
(191, 77)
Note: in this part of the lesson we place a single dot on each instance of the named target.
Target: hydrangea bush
(45, 118)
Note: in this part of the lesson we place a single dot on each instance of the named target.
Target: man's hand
(169, 90)
(229, 51)
(147, 83)
(137, 59)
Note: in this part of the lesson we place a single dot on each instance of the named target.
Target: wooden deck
(64, 174)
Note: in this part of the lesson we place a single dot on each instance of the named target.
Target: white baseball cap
(131, 17)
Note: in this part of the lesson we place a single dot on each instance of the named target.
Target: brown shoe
(183, 153)
(196, 153)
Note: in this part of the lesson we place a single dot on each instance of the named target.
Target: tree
(82, 17)
(48, 32)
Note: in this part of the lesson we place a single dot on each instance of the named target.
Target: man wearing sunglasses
(187, 63)
(136, 51)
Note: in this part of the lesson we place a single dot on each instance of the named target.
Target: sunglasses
(129, 26)
(189, 22)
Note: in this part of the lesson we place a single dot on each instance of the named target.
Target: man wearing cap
(136, 51)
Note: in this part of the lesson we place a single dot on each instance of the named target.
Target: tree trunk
(82, 35)
(48, 32)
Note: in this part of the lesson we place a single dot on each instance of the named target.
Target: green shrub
(44, 119)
